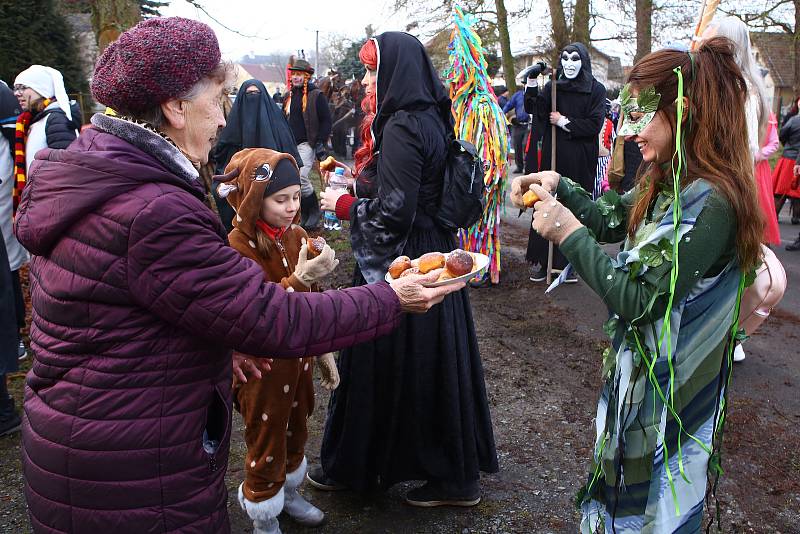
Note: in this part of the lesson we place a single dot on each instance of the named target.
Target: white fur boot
(296, 506)
(265, 513)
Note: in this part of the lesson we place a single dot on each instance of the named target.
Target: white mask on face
(570, 64)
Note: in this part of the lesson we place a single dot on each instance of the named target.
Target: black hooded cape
(582, 101)
(411, 405)
(255, 121)
(410, 128)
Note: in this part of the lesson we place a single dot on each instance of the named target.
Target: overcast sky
(289, 25)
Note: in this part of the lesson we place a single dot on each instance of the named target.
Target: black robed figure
(255, 121)
(412, 405)
(580, 101)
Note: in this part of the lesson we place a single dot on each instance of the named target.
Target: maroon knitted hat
(158, 59)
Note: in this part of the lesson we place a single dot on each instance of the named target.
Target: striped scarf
(20, 140)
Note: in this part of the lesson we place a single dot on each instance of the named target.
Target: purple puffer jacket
(137, 303)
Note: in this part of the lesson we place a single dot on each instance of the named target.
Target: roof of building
(265, 73)
(776, 53)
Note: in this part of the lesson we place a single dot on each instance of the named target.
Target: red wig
(364, 155)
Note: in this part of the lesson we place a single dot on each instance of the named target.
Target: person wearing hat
(139, 302)
(310, 119)
(46, 118)
(263, 186)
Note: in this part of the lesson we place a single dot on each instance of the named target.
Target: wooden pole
(552, 167)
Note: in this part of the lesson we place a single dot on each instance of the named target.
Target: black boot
(310, 214)
(794, 246)
(443, 493)
(9, 418)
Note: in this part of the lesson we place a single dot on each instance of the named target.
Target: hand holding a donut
(551, 219)
(522, 184)
(312, 268)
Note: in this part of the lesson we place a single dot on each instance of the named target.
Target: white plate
(480, 262)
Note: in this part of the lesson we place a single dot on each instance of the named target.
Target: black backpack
(462, 201)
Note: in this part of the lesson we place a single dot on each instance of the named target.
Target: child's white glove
(315, 269)
(330, 374)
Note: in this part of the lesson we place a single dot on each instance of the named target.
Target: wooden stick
(552, 167)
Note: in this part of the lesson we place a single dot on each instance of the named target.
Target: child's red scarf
(275, 233)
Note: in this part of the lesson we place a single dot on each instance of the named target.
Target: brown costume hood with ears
(246, 177)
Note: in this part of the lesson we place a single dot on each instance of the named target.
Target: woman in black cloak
(581, 112)
(412, 405)
(255, 121)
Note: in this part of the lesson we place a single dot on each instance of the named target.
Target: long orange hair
(716, 142)
(369, 105)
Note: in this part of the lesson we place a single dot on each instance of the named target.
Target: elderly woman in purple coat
(138, 302)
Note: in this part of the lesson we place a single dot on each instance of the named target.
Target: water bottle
(337, 182)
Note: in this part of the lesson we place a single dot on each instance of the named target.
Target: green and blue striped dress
(664, 388)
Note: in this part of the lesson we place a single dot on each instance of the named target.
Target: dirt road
(542, 360)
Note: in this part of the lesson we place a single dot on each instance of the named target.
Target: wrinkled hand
(416, 298)
(330, 374)
(315, 269)
(244, 365)
(329, 198)
(551, 219)
(521, 184)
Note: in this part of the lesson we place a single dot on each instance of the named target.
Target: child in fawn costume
(263, 186)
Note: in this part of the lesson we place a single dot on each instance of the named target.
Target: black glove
(534, 70)
(320, 152)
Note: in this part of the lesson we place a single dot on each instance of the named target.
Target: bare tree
(492, 18)
(561, 31)
(580, 22)
(112, 17)
(644, 28)
(505, 45)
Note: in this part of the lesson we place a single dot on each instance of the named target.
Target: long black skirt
(412, 405)
(9, 323)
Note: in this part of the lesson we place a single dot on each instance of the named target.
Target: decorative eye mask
(638, 112)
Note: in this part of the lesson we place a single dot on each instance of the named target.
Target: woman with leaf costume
(692, 230)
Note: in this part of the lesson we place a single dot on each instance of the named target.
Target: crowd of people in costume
(173, 278)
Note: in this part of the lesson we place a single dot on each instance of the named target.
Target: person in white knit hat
(46, 119)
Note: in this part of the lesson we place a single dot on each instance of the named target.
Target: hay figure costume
(581, 104)
(309, 116)
(276, 406)
(479, 119)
